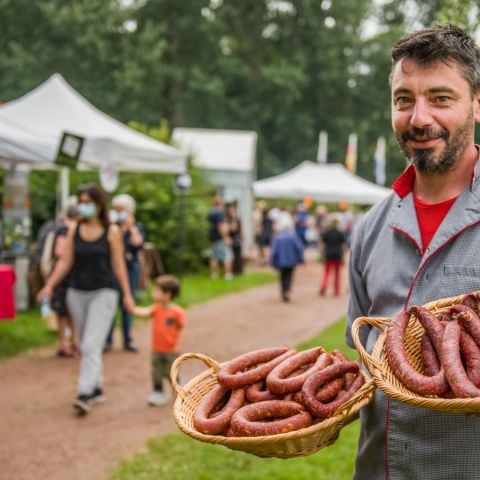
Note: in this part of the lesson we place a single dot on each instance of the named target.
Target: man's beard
(424, 159)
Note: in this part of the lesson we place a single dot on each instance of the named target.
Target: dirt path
(40, 437)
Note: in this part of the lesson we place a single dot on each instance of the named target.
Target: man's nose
(421, 116)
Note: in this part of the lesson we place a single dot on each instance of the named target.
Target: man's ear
(476, 107)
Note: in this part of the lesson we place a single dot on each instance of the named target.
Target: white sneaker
(228, 276)
(157, 399)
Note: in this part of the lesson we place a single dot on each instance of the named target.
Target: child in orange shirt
(168, 321)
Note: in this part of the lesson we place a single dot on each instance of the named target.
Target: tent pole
(64, 190)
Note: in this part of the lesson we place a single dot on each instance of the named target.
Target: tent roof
(218, 149)
(31, 128)
(323, 182)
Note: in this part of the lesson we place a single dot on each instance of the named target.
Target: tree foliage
(286, 69)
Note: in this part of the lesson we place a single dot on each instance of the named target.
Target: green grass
(28, 330)
(178, 457)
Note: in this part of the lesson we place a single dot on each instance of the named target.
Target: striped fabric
(389, 271)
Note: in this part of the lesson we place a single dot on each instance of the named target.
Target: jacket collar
(463, 213)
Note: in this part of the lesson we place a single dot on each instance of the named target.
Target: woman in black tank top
(94, 254)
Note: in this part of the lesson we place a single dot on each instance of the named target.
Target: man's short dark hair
(168, 284)
(442, 43)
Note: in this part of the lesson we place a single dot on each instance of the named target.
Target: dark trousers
(132, 272)
(286, 275)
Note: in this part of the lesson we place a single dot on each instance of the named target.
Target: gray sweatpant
(93, 312)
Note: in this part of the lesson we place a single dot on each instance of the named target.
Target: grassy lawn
(178, 457)
(29, 330)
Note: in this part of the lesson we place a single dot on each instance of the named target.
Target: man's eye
(441, 99)
(403, 101)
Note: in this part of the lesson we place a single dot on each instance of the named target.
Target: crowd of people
(282, 235)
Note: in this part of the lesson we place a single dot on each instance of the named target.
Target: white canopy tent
(31, 128)
(327, 182)
(228, 158)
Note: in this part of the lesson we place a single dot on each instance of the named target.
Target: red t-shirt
(167, 322)
(430, 216)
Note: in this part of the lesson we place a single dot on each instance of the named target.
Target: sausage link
(471, 300)
(251, 367)
(317, 379)
(471, 354)
(431, 324)
(397, 358)
(431, 363)
(468, 319)
(208, 418)
(451, 359)
(269, 418)
(257, 392)
(279, 380)
(331, 389)
(349, 377)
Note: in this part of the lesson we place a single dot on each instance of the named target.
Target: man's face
(433, 114)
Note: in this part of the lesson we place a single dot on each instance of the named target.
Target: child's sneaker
(157, 399)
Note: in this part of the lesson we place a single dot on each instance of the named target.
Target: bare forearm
(62, 267)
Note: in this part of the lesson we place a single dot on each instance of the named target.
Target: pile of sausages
(277, 390)
(450, 350)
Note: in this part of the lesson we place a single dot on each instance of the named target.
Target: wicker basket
(384, 378)
(300, 442)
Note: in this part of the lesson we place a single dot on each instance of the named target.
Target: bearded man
(420, 244)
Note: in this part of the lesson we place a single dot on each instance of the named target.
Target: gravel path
(41, 438)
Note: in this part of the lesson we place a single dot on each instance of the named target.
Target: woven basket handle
(378, 322)
(176, 367)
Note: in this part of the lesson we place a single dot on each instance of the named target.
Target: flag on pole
(351, 157)
(379, 161)
(322, 147)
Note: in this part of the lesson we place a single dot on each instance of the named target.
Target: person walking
(123, 214)
(168, 321)
(219, 240)
(236, 235)
(332, 249)
(94, 254)
(421, 244)
(286, 253)
(54, 250)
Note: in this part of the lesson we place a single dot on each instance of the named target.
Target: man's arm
(359, 302)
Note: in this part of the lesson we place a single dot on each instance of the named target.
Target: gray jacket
(389, 271)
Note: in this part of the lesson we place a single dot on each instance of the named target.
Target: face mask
(87, 210)
(113, 216)
(122, 217)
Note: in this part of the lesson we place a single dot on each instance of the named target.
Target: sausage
(251, 367)
(317, 379)
(471, 300)
(468, 319)
(257, 392)
(269, 418)
(397, 358)
(332, 388)
(209, 418)
(461, 385)
(431, 363)
(471, 354)
(431, 324)
(349, 377)
(279, 381)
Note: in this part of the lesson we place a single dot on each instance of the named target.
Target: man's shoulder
(375, 218)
